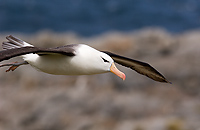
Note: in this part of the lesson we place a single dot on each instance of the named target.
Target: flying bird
(73, 59)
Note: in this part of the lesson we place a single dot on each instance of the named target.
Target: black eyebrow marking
(105, 60)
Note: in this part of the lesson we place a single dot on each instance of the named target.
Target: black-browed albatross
(74, 59)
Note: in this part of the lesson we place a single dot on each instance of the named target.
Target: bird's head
(109, 65)
(97, 62)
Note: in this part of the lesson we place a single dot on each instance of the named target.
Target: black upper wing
(140, 67)
(10, 53)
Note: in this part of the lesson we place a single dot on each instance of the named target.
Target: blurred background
(165, 34)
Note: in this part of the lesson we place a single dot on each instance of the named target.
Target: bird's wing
(140, 67)
(10, 53)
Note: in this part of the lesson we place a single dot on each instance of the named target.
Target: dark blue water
(92, 17)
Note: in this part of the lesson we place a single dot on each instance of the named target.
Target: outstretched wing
(10, 53)
(140, 67)
(16, 47)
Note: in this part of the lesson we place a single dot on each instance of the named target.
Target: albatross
(72, 59)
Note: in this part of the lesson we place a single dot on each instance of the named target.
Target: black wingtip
(12, 38)
(166, 81)
(9, 36)
(169, 82)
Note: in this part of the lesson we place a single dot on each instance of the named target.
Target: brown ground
(32, 100)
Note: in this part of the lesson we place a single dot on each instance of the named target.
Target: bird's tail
(14, 42)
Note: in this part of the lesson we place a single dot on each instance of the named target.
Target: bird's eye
(105, 60)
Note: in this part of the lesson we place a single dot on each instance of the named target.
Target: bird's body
(74, 59)
(59, 64)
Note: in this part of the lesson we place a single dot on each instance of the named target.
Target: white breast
(86, 61)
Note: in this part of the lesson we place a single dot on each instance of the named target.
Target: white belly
(59, 65)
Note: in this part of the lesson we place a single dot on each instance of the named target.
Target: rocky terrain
(32, 100)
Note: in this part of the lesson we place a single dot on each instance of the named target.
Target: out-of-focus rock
(32, 100)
